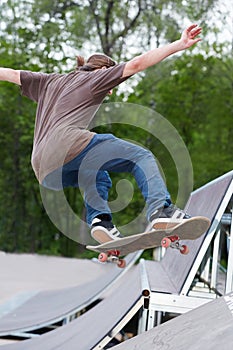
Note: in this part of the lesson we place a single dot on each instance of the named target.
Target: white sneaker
(104, 231)
(168, 217)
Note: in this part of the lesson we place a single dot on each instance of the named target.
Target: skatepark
(173, 302)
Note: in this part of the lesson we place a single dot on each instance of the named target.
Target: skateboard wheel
(166, 242)
(121, 263)
(184, 250)
(103, 257)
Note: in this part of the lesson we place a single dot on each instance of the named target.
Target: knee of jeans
(145, 154)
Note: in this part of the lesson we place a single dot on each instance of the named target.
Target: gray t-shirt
(67, 103)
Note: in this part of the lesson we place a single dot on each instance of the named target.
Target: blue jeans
(89, 171)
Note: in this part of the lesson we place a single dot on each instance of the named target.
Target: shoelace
(172, 208)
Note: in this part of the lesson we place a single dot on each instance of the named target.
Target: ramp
(208, 327)
(95, 328)
(49, 307)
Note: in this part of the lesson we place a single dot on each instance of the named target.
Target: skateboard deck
(190, 229)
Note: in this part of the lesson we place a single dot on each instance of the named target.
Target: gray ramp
(99, 323)
(208, 327)
(169, 275)
(49, 307)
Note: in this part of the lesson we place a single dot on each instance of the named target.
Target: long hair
(95, 61)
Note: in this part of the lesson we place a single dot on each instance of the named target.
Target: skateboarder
(65, 153)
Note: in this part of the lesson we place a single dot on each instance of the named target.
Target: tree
(195, 94)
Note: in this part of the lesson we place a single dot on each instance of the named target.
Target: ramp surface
(208, 327)
(97, 324)
(48, 307)
(30, 273)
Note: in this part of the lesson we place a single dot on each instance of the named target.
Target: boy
(62, 144)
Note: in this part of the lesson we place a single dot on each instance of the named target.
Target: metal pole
(229, 281)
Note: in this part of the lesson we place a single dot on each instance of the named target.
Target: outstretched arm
(11, 75)
(150, 58)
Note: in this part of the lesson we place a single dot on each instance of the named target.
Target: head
(96, 61)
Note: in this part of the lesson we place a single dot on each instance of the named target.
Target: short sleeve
(106, 79)
(32, 83)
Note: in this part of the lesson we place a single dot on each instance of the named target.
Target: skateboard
(189, 229)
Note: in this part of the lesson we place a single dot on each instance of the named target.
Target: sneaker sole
(101, 236)
(165, 225)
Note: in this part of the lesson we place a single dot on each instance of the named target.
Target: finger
(196, 29)
(196, 40)
(195, 32)
(191, 27)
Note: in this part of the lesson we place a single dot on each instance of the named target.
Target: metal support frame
(145, 287)
(151, 318)
(214, 271)
(211, 271)
(229, 282)
(157, 303)
(142, 323)
(206, 270)
(176, 303)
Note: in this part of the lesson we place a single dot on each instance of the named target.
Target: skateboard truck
(167, 242)
(174, 242)
(112, 256)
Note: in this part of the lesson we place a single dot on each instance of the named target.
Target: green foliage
(194, 92)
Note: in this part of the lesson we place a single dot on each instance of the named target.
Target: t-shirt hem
(41, 176)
